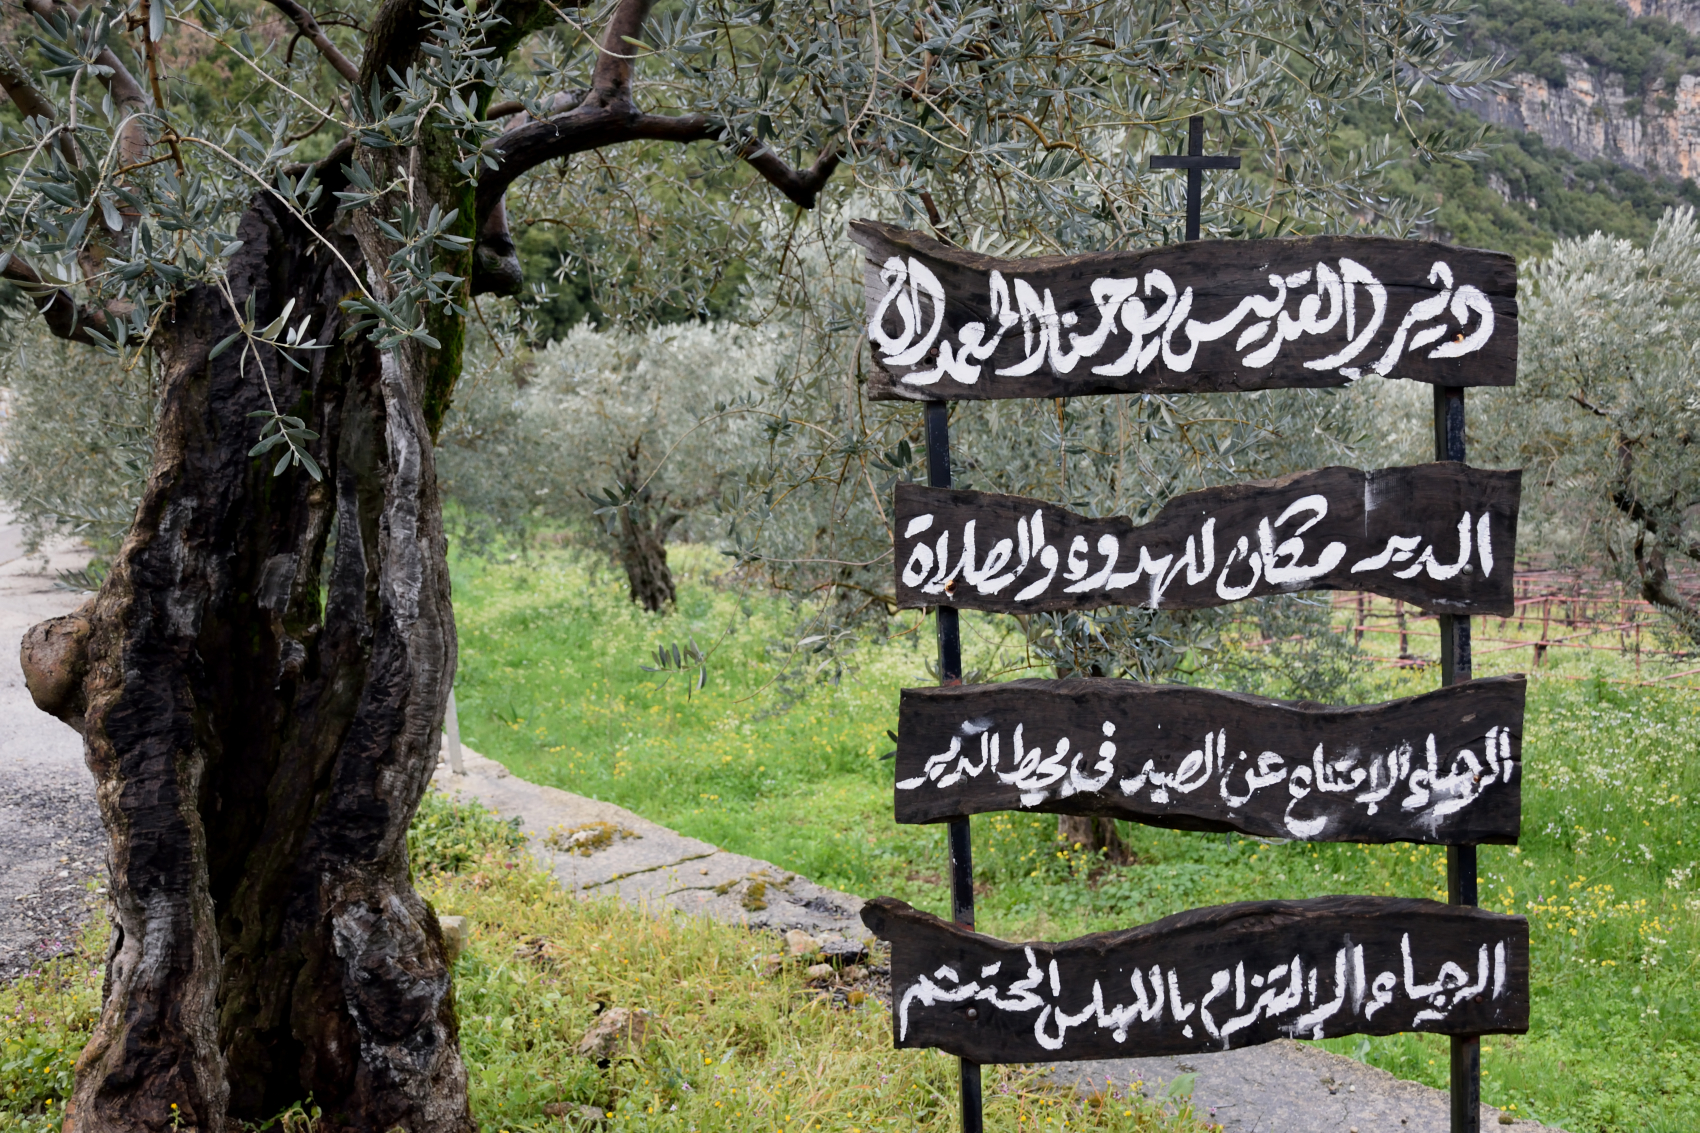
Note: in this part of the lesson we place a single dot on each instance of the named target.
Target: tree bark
(262, 680)
(643, 554)
(1652, 572)
(1094, 834)
(642, 538)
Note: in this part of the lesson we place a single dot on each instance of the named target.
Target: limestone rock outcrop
(1682, 13)
(1592, 116)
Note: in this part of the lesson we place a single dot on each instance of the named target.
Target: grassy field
(550, 685)
(732, 1048)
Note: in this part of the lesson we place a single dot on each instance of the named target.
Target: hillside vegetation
(1521, 195)
(1535, 35)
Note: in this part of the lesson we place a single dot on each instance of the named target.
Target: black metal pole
(1455, 666)
(1194, 174)
(950, 673)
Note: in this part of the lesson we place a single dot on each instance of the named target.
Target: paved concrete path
(51, 842)
(1282, 1087)
(1289, 1087)
(645, 864)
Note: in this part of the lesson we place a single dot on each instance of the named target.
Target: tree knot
(55, 659)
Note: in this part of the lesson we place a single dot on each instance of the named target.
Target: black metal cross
(1195, 163)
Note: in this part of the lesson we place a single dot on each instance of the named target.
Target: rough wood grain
(260, 688)
(1442, 536)
(1207, 979)
(946, 324)
(1441, 768)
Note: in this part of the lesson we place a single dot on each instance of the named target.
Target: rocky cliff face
(1592, 117)
(1682, 13)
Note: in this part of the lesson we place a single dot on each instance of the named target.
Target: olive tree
(76, 436)
(1606, 410)
(263, 717)
(624, 433)
(295, 240)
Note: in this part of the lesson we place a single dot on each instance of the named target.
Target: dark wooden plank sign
(1439, 768)
(1440, 535)
(1208, 979)
(946, 324)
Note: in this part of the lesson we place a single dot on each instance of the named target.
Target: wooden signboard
(1440, 768)
(1441, 536)
(946, 324)
(1209, 979)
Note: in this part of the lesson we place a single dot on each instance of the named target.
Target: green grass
(732, 1048)
(549, 682)
(550, 685)
(45, 1020)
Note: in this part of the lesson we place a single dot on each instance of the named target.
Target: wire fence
(1560, 615)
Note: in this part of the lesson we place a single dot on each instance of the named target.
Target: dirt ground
(52, 848)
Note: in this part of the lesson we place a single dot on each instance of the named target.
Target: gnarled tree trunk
(640, 532)
(643, 552)
(261, 680)
(263, 677)
(1094, 834)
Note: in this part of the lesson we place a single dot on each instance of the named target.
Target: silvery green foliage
(1025, 128)
(1027, 124)
(813, 511)
(127, 202)
(1398, 420)
(1289, 645)
(493, 470)
(76, 438)
(549, 440)
(1035, 119)
(1605, 416)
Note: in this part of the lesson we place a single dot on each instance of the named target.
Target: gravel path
(52, 848)
(1289, 1087)
(619, 854)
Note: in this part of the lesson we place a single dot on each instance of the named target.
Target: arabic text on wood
(1442, 536)
(1207, 979)
(1442, 768)
(947, 324)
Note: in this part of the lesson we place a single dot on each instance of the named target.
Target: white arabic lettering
(1155, 314)
(1329, 989)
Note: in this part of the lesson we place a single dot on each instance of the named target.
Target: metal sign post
(1440, 535)
(950, 673)
(1455, 668)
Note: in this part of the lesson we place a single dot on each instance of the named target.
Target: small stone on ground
(616, 1031)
